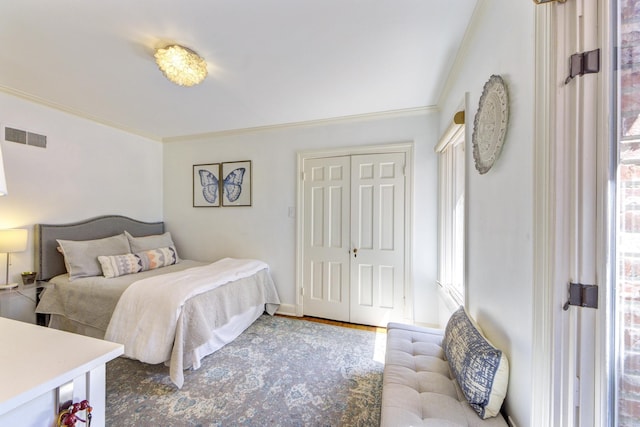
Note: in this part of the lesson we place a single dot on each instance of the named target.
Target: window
(451, 230)
(627, 352)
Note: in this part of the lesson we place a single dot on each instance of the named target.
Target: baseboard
(287, 310)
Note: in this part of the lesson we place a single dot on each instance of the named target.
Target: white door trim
(553, 392)
(543, 384)
(553, 381)
(403, 147)
(607, 129)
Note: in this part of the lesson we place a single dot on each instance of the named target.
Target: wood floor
(337, 323)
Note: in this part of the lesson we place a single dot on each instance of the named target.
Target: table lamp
(12, 240)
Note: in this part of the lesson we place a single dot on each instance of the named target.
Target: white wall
(86, 170)
(89, 169)
(499, 257)
(265, 230)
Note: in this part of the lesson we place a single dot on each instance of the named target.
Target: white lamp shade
(3, 181)
(13, 240)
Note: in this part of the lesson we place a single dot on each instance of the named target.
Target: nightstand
(20, 302)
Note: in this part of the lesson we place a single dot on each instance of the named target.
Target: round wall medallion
(490, 123)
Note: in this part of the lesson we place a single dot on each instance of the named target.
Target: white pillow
(81, 256)
(146, 243)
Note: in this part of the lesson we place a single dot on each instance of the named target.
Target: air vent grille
(24, 137)
(15, 135)
(36, 140)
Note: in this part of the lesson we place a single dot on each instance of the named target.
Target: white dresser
(35, 361)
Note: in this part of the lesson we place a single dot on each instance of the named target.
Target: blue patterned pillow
(482, 371)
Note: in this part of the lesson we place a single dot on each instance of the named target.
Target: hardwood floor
(337, 323)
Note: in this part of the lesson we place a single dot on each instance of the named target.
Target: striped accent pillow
(156, 258)
(482, 371)
(119, 265)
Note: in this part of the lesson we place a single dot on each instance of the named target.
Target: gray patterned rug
(279, 372)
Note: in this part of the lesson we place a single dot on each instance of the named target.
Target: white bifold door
(353, 238)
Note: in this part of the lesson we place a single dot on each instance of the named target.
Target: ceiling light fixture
(181, 65)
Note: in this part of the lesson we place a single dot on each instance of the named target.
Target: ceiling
(270, 62)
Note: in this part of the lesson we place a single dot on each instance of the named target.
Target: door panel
(377, 260)
(326, 247)
(388, 226)
(365, 217)
(365, 285)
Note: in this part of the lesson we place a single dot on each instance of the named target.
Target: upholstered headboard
(49, 261)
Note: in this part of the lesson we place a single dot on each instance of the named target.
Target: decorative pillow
(157, 258)
(81, 256)
(119, 265)
(482, 371)
(146, 243)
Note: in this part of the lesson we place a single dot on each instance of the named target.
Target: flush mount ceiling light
(181, 65)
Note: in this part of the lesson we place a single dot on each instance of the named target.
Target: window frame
(451, 153)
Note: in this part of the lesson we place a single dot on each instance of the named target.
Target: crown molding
(217, 134)
(309, 123)
(77, 113)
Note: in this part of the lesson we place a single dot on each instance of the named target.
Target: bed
(119, 279)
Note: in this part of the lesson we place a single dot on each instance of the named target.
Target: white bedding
(212, 306)
(146, 315)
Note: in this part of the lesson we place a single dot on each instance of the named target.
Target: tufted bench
(419, 386)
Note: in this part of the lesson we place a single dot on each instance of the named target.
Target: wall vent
(15, 135)
(36, 140)
(24, 137)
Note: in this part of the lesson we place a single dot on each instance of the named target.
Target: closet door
(353, 238)
(327, 186)
(377, 238)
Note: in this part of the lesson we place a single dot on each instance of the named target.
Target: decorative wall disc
(490, 123)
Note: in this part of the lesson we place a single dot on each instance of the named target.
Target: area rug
(279, 372)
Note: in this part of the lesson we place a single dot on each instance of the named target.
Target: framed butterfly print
(235, 184)
(206, 185)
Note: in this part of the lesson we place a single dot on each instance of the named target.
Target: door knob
(355, 252)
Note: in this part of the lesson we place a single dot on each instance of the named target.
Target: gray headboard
(49, 261)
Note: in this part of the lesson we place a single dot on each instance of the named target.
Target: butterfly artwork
(236, 185)
(232, 184)
(210, 190)
(206, 185)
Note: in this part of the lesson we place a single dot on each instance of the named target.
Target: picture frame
(206, 185)
(235, 183)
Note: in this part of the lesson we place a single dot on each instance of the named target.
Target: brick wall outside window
(628, 286)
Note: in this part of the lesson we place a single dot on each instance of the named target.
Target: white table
(35, 361)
